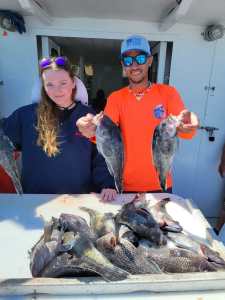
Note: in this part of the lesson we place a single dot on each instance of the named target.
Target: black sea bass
(164, 146)
(110, 145)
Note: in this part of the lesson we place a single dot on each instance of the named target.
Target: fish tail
(16, 181)
(15, 177)
(162, 180)
(90, 211)
(119, 186)
(17, 186)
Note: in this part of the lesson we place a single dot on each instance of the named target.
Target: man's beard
(137, 81)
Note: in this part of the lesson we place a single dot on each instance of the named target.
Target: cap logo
(134, 42)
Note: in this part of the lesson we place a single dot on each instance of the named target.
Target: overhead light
(6, 23)
(213, 32)
(36, 9)
(12, 21)
(174, 14)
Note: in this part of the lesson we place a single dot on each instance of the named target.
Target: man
(137, 110)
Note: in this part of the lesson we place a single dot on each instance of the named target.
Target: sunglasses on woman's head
(140, 59)
(59, 61)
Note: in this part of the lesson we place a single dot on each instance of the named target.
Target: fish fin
(113, 241)
(109, 168)
(155, 140)
(172, 227)
(90, 211)
(162, 203)
(212, 255)
(119, 186)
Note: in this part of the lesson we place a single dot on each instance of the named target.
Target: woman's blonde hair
(47, 112)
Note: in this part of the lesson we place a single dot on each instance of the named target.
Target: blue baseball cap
(135, 42)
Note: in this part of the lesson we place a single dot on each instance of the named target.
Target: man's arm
(189, 120)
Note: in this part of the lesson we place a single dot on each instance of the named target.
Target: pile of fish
(7, 161)
(140, 238)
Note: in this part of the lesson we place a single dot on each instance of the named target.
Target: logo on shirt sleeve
(159, 112)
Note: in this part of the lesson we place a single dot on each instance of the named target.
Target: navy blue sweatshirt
(78, 168)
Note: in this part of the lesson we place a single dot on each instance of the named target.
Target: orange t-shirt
(137, 121)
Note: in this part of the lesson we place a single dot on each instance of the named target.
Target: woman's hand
(108, 195)
(86, 126)
(189, 121)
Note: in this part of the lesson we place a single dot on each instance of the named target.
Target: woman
(56, 158)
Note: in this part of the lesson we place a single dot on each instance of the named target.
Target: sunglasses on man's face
(140, 59)
(59, 61)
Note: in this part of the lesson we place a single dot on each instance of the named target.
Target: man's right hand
(87, 124)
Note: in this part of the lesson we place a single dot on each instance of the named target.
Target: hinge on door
(1, 82)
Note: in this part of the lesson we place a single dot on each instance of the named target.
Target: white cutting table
(21, 224)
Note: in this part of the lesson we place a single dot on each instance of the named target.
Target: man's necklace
(140, 92)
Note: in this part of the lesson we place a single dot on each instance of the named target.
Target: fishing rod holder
(210, 130)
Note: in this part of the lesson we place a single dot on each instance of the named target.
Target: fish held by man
(164, 145)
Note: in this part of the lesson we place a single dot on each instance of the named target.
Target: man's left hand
(189, 121)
